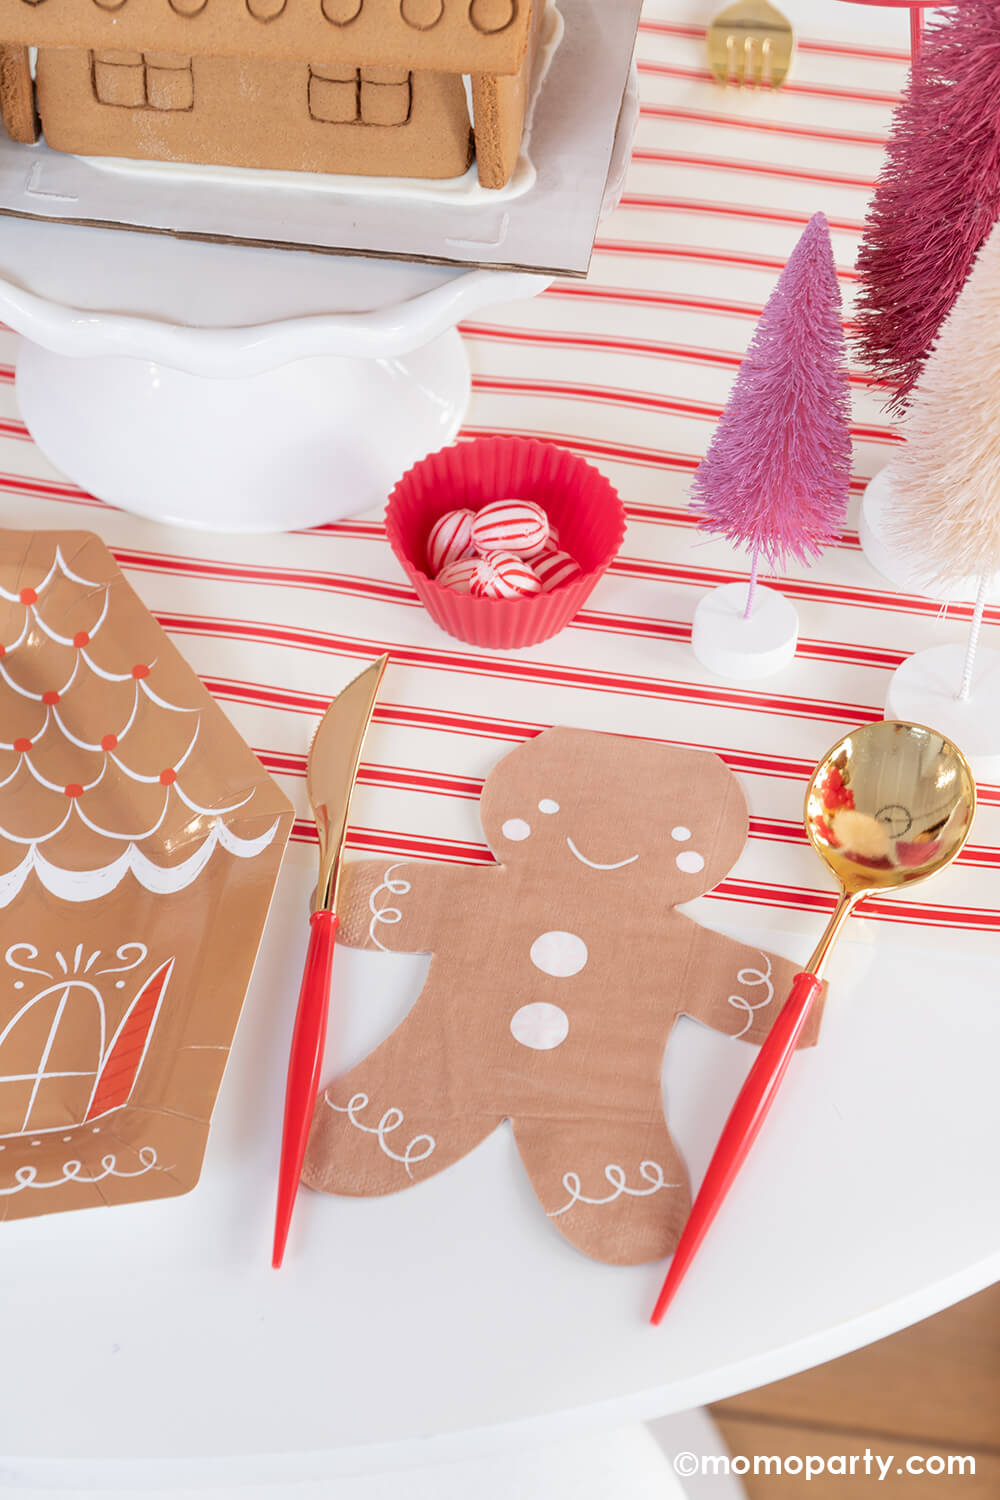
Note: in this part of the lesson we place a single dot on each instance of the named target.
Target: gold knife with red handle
(331, 772)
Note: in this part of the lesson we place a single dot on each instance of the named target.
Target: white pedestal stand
(886, 557)
(744, 649)
(922, 691)
(230, 387)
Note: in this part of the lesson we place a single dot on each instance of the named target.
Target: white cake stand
(233, 387)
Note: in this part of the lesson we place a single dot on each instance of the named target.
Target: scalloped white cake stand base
(235, 387)
(292, 447)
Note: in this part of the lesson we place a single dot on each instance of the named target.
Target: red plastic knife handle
(304, 1064)
(740, 1131)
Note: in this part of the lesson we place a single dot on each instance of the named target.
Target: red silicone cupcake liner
(580, 503)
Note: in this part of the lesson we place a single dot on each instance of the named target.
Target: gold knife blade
(332, 769)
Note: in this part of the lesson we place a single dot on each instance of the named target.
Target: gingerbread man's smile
(615, 865)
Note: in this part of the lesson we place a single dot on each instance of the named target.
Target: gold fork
(750, 44)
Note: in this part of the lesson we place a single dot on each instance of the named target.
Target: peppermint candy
(554, 568)
(503, 575)
(518, 526)
(450, 540)
(459, 575)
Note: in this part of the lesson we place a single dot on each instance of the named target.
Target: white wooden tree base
(887, 558)
(730, 646)
(922, 691)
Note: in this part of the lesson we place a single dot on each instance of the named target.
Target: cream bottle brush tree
(945, 513)
(775, 477)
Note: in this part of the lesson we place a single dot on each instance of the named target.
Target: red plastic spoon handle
(304, 1064)
(740, 1131)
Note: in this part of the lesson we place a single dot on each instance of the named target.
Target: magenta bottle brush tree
(936, 198)
(775, 478)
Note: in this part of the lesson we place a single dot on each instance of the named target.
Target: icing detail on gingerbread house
(81, 834)
(98, 881)
(421, 14)
(341, 12)
(490, 16)
(137, 80)
(72, 1171)
(47, 1085)
(365, 96)
(265, 10)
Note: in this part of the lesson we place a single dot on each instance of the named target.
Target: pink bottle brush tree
(936, 198)
(775, 477)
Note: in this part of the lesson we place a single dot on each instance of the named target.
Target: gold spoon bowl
(888, 805)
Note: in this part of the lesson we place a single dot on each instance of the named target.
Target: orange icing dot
(140, 671)
(22, 745)
(28, 596)
(74, 789)
(82, 638)
(168, 777)
(109, 742)
(52, 696)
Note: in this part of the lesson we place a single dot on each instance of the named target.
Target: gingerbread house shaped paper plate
(140, 841)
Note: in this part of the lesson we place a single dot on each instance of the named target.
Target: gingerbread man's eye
(548, 806)
(516, 829)
(680, 833)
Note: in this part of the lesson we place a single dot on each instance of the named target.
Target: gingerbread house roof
(452, 36)
(114, 760)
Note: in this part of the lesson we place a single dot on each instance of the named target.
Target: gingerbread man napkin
(556, 978)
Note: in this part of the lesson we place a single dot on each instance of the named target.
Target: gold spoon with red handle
(888, 805)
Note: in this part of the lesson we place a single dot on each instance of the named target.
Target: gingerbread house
(140, 840)
(413, 88)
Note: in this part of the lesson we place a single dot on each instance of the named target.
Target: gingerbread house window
(143, 80)
(360, 96)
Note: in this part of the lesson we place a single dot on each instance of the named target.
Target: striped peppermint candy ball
(518, 526)
(502, 575)
(554, 568)
(550, 544)
(450, 540)
(458, 575)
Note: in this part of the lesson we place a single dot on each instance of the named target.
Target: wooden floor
(933, 1389)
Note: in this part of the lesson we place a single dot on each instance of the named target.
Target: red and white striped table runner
(629, 369)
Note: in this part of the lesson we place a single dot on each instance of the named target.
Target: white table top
(154, 1345)
(449, 1319)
